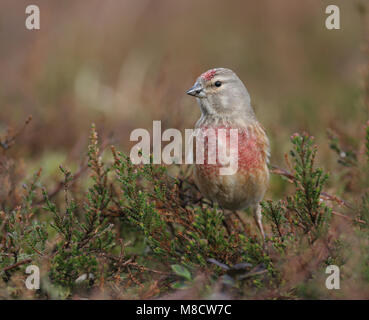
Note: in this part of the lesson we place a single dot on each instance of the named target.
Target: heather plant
(304, 212)
(23, 239)
(177, 230)
(364, 208)
(139, 231)
(310, 213)
(86, 236)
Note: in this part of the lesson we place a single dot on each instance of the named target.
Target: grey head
(220, 92)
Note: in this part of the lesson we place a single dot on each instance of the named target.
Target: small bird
(225, 104)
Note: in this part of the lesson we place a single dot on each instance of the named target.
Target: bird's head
(220, 91)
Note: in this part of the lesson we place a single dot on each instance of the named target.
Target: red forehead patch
(208, 75)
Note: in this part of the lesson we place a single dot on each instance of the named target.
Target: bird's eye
(218, 83)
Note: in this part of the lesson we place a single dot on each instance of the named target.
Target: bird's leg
(225, 222)
(258, 219)
(241, 220)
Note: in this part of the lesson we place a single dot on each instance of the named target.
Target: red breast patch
(249, 149)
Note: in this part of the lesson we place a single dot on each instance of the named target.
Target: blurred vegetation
(100, 227)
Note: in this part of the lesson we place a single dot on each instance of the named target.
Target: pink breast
(250, 153)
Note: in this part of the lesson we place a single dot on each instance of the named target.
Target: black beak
(195, 90)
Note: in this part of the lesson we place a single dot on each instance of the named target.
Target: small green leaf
(179, 285)
(181, 271)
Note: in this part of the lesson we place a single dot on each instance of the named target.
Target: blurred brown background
(123, 64)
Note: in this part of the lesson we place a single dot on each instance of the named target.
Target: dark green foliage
(22, 238)
(276, 215)
(141, 232)
(304, 210)
(176, 231)
(364, 212)
(310, 213)
(83, 240)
